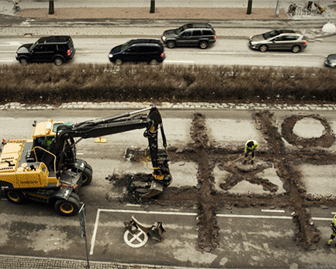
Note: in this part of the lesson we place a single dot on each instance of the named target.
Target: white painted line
(327, 219)
(6, 60)
(334, 213)
(252, 216)
(299, 54)
(94, 232)
(189, 62)
(273, 210)
(222, 52)
(133, 205)
(149, 212)
(80, 153)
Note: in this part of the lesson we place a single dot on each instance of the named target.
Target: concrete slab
(177, 131)
(318, 179)
(271, 175)
(184, 174)
(308, 128)
(245, 187)
(233, 131)
(267, 242)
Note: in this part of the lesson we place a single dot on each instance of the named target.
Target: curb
(168, 106)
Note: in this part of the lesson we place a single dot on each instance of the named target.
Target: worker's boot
(244, 162)
(329, 242)
(252, 162)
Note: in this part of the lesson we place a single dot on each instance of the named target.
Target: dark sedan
(330, 61)
(278, 40)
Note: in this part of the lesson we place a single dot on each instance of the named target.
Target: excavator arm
(152, 123)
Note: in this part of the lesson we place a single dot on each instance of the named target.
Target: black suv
(191, 34)
(57, 49)
(138, 50)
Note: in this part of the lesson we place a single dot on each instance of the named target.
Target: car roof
(145, 42)
(285, 31)
(54, 39)
(197, 25)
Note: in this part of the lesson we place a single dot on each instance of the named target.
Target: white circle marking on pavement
(139, 237)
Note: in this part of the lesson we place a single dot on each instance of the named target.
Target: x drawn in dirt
(275, 155)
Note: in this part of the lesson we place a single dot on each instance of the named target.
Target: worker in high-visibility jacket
(250, 147)
(333, 227)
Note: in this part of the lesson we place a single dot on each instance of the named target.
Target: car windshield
(125, 46)
(33, 46)
(270, 34)
(179, 30)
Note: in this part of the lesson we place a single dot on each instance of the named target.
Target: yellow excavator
(45, 168)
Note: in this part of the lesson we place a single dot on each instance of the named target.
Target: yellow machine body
(16, 172)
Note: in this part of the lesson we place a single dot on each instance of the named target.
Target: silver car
(278, 40)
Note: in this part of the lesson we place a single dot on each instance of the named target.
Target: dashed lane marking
(273, 210)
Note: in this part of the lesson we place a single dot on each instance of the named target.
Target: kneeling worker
(333, 228)
(250, 147)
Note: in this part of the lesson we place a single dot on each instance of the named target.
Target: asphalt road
(255, 237)
(224, 51)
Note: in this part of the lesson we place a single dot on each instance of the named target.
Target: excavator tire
(68, 207)
(15, 197)
(89, 167)
(87, 176)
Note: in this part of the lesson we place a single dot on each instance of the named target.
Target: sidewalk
(81, 21)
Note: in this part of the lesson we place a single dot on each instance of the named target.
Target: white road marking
(11, 43)
(272, 211)
(183, 214)
(6, 60)
(253, 216)
(168, 61)
(78, 153)
(251, 54)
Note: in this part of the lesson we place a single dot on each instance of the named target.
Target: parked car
(191, 34)
(138, 50)
(57, 49)
(330, 61)
(278, 40)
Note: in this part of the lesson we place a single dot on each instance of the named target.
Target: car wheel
(171, 44)
(203, 44)
(15, 197)
(23, 61)
(118, 62)
(296, 49)
(263, 48)
(153, 62)
(58, 61)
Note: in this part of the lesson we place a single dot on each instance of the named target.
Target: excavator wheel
(15, 197)
(68, 207)
(86, 176)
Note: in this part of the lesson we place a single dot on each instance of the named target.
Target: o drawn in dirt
(325, 140)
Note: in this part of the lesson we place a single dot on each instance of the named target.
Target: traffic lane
(224, 51)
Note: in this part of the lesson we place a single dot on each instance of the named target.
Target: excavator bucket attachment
(157, 232)
(146, 189)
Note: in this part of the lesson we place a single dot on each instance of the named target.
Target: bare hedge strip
(46, 83)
